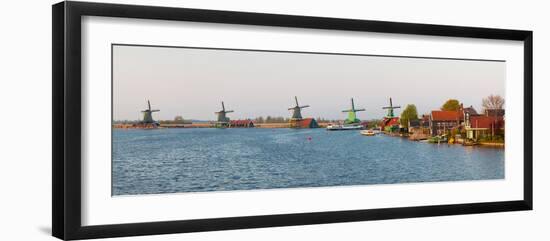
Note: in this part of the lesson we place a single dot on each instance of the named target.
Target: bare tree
(493, 102)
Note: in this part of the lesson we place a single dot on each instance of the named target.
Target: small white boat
(368, 133)
(343, 127)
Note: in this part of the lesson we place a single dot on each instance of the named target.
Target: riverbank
(287, 126)
(492, 144)
(460, 141)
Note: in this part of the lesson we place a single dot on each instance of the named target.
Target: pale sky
(192, 83)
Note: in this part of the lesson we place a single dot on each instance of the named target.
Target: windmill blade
(291, 108)
(296, 98)
(303, 106)
(387, 107)
(149, 104)
(360, 109)
(347, 110)
(155, 110)
(229, 111)
(391, 104)
(223, 106)
(352, 104)
(396, 107)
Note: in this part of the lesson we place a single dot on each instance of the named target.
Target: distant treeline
(373, 123)
(176, 120)
(125, 121)
(280, 119)
(160, 121)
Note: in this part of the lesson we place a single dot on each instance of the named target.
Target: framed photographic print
(170, 120)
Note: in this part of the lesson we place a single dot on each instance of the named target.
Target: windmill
(222, 118)
(352, 117)
(390, 109)
(297, 111)
(148, 114)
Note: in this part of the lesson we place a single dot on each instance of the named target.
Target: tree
(409, 113)
(179, 119)
(493, 102)
(373, 123)
(451, 105)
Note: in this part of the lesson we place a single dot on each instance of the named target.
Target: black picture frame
(66, 127)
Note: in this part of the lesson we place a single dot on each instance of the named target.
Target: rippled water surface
(204, 159)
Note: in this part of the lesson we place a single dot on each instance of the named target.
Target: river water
(208, 159)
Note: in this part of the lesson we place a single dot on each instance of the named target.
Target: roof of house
(486, 121)
(307, 122)
(494, 112)
(470, 110)
(414, 123)
(444, 115)
(390, 121)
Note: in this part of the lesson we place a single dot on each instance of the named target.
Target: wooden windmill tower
(352, 116)
(297, 110)
(223, 120)
(390, 109)
(296, 113)
(148, 114)
(390, 122)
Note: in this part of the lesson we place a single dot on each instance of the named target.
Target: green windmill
(148, 114)
(223, 120)
(390, 109)
(352, 117)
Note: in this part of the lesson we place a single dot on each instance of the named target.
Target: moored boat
(368, 132)
(343, 127)
(439, 139)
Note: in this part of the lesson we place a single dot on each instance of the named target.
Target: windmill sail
(297, 110)
(390, 109)
(147, 114)
(222, 118)
(352, 116)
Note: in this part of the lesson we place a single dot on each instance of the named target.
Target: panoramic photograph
(189, 119)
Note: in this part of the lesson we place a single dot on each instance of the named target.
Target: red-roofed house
(442, 121)
(477, 126)
(390, 124)
(304, 123)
